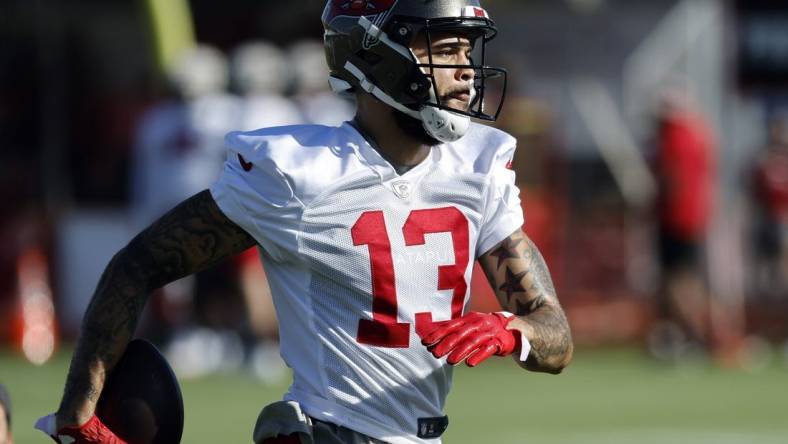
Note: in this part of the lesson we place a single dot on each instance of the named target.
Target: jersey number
(370, 230)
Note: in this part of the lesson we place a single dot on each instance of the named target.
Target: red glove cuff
(92, 432)
(508, 347)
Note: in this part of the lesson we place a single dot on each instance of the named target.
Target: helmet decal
(376, 11)
(474, 11)
(360, 7)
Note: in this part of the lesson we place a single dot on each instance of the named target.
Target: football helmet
(199, 71)
(259, 68)
(368, 42)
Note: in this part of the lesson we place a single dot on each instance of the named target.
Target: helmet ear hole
(401, 33)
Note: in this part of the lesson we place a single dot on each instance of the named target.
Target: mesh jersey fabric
(345, 240)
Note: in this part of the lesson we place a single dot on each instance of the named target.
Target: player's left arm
(519, 276)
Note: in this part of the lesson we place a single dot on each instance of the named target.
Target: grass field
(606, 396)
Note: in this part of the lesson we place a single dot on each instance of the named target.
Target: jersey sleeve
(503, 213)
(255, 194)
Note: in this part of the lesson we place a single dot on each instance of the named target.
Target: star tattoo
(512, 284)
(506, 251)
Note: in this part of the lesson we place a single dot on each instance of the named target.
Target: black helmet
(368, 43)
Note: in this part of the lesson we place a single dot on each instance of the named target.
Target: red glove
(474, 336)
(92, 432)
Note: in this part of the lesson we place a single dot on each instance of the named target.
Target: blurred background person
(179, 150)
(179, 141)
(770, 199)
(6, 437)
(310, 89)
(261, 75)
(685, 168)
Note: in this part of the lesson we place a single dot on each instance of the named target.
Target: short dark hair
(5, 400)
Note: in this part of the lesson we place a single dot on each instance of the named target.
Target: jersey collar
(368, 151)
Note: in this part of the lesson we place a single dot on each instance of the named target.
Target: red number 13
(370, 230)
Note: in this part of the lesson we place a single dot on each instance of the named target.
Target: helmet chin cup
(444, 125)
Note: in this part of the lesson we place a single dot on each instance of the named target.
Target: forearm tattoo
(519, 275)
(191, 237)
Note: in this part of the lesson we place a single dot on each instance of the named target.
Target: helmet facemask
(442, 120)
(479, 34)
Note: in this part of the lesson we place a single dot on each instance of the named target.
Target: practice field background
(605, 396)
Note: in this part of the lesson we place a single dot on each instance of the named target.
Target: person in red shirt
(685, 168)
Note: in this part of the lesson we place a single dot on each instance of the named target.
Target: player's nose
(466, 73)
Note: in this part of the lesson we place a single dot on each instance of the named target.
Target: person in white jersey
(368, 233)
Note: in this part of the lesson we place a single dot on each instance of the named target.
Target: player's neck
(375, 122)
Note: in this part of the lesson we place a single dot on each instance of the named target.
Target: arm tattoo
(519, 275)
(506, 250)
(512, 284)
(191, 237)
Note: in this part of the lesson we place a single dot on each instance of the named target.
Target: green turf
(606, 396)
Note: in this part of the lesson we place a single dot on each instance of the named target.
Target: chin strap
(370, 88)
(375, 33)
(441, 124)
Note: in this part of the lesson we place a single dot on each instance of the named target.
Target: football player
(368, 233)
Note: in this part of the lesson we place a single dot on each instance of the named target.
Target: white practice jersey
(359, 258)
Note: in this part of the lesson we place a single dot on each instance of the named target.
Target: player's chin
(457, 104)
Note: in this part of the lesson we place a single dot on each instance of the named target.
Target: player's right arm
(518, 273)
(191, 237)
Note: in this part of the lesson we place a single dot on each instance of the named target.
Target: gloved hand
(474, 336)
(92, 432)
